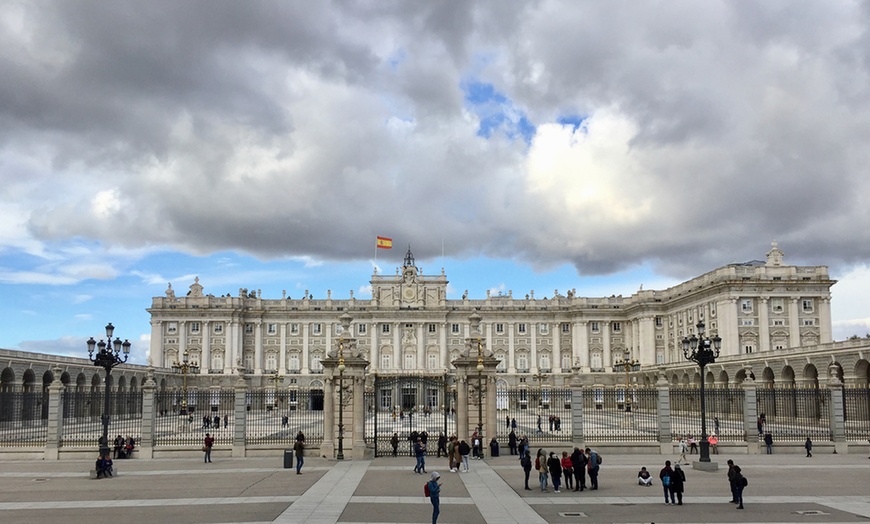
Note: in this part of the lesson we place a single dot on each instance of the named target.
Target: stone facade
(761, 309)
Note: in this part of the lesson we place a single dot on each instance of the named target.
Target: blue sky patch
(497, 113)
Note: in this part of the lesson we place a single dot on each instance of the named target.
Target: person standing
(554, 464)
(207, 443)
(567, 470)
(808, 445)
(539, 430)
(768, 442)
(298, 450)
(665, 476)
(716, 425)
(741, 483)
(507, 422)
(578, 464)
(512, 442)
(678, 480)
(526, 462)
(541, 467)
(442, 444)
(394, 442)
(435, 495)
(732, 481)
(451, 454)
(464, 450)
(593, 466)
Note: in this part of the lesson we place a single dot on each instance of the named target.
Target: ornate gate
(402, 405)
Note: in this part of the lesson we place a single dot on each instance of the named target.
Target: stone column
(835, 411)
(663, 407)
(359, 414)
(577, 406)
(149, 416)
(327, 448)
(240, 413)
(55, 416)
(489, 406)
(462, 406)
(750, 412)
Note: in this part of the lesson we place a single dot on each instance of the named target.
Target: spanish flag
(384, 243)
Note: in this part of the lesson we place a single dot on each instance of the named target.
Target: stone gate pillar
(835, 411)
(240, 390)
(344, 396)
(149, 416)
(55, 416)
(750, 411)
(663, 407)
(475, 368)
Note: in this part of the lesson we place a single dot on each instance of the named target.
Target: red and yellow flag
(384, 243)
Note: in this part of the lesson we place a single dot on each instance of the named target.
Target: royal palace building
(410, 327)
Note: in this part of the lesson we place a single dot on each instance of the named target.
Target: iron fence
(276, 418)
(609, 415)
(724, 409)
(537, 412)
(82, 416)
(793, 414)
(856, 413)
(207, 411)
(23, 418)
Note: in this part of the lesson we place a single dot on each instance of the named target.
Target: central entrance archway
(407, 406)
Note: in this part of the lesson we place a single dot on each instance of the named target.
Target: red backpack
(426, 489)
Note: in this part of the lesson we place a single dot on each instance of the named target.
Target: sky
(519, 145)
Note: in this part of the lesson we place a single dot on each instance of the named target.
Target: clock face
(409, 293)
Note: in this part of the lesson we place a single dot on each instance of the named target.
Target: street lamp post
(628, 364)
(702, 351)
(108, 356)
(184, 367)
(341, 367)
(278, 380)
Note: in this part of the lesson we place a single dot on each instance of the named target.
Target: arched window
(410, 361)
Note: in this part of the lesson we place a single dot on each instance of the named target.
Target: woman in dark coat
(554, 464)
(578, 464)
(678, 481)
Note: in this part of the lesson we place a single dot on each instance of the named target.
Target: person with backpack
(665, 475)
(433, 491)
(464, 450)
(568, 470)
(541, 468)
(678, 480)
(593, 466)
(526, 462)
(741, 483)
(578, 464)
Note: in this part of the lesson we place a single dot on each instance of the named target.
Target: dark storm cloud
(306, 128)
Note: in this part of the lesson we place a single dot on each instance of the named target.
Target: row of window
(777, 305)
(386, 328)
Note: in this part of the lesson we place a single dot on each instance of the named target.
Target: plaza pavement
(783, 488)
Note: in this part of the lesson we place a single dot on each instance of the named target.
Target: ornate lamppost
(184, 367)
(341, 368)
(702, 351)
(628, 364)
(108, 356)
(277, 379)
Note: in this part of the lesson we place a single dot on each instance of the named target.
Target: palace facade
(410, 327)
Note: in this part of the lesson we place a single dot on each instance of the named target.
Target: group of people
(209, 422)
(552, 468)
(673, 481)
(104, 466)
(123, 447)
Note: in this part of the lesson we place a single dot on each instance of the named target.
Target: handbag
(205, 448)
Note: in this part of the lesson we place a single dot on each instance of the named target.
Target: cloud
(683, 136)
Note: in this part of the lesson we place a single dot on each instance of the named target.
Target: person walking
(435, 495)
(593, 465)
(741, 483)
(298, 450)
(567, 470)
(678, 481)
(420, 454)
(554, 465)
(578, 464)
(512, 442)
(682, 446)
(442, 444)
(768, 442)
(394, 442)
(665, 476)
(541, 467)
(526, 462)
(808, 445)
(450, 454)
(207, 444)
